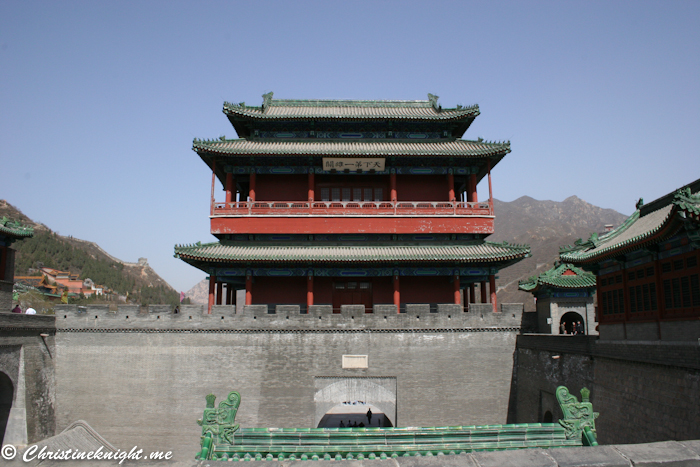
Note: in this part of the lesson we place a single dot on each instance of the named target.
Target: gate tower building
(351, 202)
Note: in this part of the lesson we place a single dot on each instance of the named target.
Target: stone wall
(27, 350)
(645, 391)
(142, 380)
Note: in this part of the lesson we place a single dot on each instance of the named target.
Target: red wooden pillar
(251, 193)
(483, 292)
(450, 186)
(229, 187)
(472, 293)
(492, 289)
(219, 292)
(309, 291)
(248, 289)
(311, 186)
(392, 184)
(212, 283)
(213, 183)
(471, 190)
(397, 293)
(458, 298)
(490, 190)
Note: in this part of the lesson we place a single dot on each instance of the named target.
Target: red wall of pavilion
(295, 187)
(292, 290)
(382, 290)
(281, 187)
(421, 187)
(426, 290)
(279, 290)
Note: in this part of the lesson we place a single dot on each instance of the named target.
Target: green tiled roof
(453, 148)
(555, 277)
(641, 228)
(485, 252)
(14, 229)
(286, 109)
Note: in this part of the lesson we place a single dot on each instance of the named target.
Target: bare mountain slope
(545, 226)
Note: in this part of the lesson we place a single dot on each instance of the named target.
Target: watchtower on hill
(346, 202)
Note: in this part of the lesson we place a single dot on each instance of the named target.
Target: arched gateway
(332, 392)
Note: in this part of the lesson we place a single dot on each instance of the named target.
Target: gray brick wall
(644, 391)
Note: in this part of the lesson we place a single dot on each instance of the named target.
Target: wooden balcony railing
(352, 208)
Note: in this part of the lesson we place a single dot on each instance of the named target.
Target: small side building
(564, 296)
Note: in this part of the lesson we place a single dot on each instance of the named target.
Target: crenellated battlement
(352, 318)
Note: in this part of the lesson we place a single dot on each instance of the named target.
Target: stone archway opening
(7, 392)
(351, 397)
(569, 320)
(354, 414)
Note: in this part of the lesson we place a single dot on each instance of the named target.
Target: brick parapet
(287, 317)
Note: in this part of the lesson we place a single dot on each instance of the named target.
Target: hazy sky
(100, 101)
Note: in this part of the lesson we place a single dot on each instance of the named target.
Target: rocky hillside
(545, 226)
(86, 258)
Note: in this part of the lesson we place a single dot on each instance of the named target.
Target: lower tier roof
(486, 252)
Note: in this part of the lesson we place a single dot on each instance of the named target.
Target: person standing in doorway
(369, 416)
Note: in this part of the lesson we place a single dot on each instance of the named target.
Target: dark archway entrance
(547, 418)
(569, 321)
(7, 392)
(352, 414)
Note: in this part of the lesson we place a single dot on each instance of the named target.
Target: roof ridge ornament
(267, 100)
(433, 99)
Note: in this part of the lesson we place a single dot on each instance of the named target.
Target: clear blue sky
(100, 101)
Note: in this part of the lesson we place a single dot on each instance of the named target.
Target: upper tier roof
(454, 148)
(273, 110)
(643, 228)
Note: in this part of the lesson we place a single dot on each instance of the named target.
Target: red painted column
(490, 190)
(213, 183)
(310, 292)
(248, 290)
(219, 292)
(451, 186)
(492, 289)
(458, 298)
(397, 294)
(229, 185)
(212, 283)
(229, 294)
(472, 293)
(251, 193)
(483, 292)
(392, 184)
(311, 186)
(472, 197)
